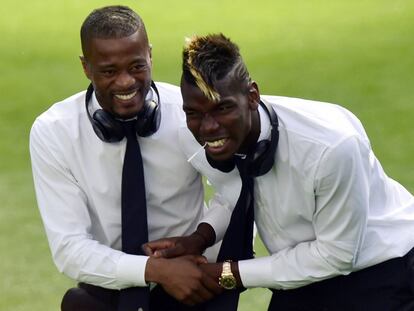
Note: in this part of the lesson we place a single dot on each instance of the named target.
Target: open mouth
(217, 143)
(217, 147)
(125, 96)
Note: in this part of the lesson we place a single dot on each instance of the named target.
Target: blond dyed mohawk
(207, 59)
(192, 45)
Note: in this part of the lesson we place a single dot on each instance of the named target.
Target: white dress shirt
(77, 180)
(326, 208)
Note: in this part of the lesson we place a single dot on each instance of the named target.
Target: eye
(191, 113)
(107, 72)
(139, 67)
(225, 107)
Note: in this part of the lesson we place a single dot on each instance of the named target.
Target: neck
(251, 139)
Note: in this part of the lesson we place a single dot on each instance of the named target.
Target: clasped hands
(178, 266)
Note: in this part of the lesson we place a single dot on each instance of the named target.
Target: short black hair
(116, 21)
(207, 59)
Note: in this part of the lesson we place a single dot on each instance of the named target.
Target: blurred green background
(357, 53)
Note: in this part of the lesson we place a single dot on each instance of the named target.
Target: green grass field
(359, 54)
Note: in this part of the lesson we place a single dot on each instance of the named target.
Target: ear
(150, 52)
(85, 67)
(254, 95)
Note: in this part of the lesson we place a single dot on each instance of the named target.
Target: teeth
(126, 96)
(217, 143)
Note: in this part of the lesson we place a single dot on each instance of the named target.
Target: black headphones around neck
(262, 157)
(109, 129)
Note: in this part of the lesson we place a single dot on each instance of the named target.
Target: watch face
(228, 282)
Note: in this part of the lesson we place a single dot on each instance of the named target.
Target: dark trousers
(388, 286)
(87, 297)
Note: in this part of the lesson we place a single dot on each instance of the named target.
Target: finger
(147, 249)
(153, 247)
(201, 260)
(211, 284)
(171, 252)
(204, 293)
(161, 244)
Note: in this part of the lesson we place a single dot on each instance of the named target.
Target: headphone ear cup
(148, 119)
(262, 160)
(107, 127)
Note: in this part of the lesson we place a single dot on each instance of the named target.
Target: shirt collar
(265, 126)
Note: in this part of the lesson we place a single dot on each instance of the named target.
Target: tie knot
(130, 128)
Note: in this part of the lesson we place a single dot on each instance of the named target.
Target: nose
(208, 124)
(125, 79)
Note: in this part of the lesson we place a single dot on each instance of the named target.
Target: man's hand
(194, 244)
(175, 246)
(182, 278)
(212, 269)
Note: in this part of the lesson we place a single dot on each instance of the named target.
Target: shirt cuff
(257, 272)
(218, 216)
(131, 270)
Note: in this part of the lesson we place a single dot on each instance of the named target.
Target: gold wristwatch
(227, 279)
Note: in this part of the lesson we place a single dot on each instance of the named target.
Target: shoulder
(63, 110)
(171, 104)
(314, 134)
(169, 94)
(61, 116)
(315, 121)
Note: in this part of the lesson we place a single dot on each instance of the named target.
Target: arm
(218, 213)
(339, 223)
(226, 185)
(193, 244)
(64, 211)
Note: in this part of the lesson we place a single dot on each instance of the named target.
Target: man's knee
(71, 297)
(78, 299)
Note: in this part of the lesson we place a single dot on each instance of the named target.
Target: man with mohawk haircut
(339, 231)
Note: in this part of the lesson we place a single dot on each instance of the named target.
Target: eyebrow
(225, 101)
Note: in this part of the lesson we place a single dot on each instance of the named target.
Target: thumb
(153, 247)
(200, 260)
(175, 251)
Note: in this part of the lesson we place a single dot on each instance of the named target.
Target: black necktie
(237, 242)
(134, 216)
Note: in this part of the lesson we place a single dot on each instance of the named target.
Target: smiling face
(228, 126)
(120, 72)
